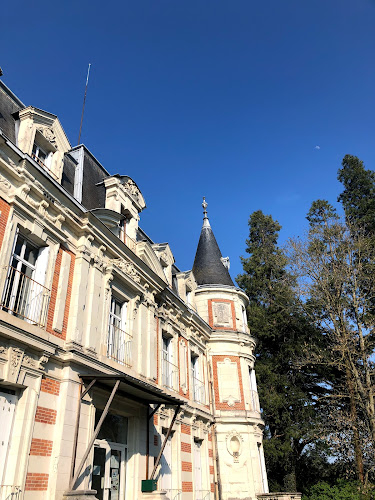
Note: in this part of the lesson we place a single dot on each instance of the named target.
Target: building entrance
(108, 473)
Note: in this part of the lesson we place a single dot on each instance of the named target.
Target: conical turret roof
(208, 268)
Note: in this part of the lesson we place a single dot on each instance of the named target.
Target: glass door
(108, 472)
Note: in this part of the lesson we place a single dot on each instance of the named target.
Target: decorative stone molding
(49, 134)
(43, 360)
(228, 380)
(137, 303)
(131, 188)
(234, 442)
(15, 356)
(128, 268)
(29, 361)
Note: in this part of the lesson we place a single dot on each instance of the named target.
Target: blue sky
(226, 99)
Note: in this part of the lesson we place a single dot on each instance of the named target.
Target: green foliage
(287, 391)
(342, 490)
(358, 197)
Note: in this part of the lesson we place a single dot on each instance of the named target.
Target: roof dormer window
(39, 155)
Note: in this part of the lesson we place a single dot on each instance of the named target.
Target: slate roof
(208, 268)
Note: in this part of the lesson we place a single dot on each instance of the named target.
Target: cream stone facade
(116, 367)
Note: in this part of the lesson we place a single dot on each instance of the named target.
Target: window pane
(117, 309)
(31, 254)
(42, 155)
(18, 247)
(114, 428)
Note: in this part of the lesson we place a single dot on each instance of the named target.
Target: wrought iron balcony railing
(42, 164)
(199, 391)
(10, 492)
(119, 345)
(25, 298)
(169, 375)
(254, 401)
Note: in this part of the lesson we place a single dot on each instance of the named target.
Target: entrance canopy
(132, 388)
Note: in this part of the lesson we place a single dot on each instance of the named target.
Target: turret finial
(204, 205)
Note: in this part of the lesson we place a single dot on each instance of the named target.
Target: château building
(121, 376)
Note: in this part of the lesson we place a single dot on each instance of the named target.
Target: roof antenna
(84, 101)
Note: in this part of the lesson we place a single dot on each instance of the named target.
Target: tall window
(119, 341)
(39, 155)
(254, 391)
(25, 294)
(244, 319)
(198, 385)
(169, 369)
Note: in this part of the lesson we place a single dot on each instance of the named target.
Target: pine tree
(287, 390)
(358, 197)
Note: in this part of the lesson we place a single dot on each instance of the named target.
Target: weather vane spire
(204, 205)
(206, 222)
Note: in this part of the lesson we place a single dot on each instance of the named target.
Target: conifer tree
(287, 391)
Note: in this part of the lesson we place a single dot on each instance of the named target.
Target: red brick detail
(51, 386)
(210, 436)
(186, 447)
(185, 429)
(210, 453)
(4, 214)
(186, 466)
(156, 440)
(212, 469)
(187, 486)
(212, 487)
(211, 316)
(156, 420)
(45, 415)
(41, 447)
(238, 405)
(55, 284)
(36, 482)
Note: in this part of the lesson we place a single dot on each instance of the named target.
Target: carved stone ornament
(137, 303)
(131, 188)
(49, 134)
(3, 350)
(41, 207)
(128, 268)
(43, 360)
(234, 442)
(14, 365)
(4, 184)
(29, 361)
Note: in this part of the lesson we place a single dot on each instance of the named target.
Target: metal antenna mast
(84, 100)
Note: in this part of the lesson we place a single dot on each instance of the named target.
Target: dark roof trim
(12, 95)
(140, 385)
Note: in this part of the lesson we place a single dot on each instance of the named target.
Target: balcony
(129, 242)
(25, 298)
(10, 492)
(254, 401)
(199, 392)
(170, 375)
(43, 165)
(119, 345)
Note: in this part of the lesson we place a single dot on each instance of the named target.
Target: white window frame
(36, 299)
(118, 341)
(39, 149)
